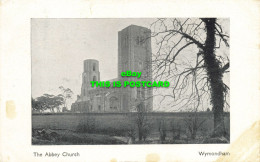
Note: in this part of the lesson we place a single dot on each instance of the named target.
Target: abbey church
(134, 54)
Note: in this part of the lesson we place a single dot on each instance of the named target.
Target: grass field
(114, 126)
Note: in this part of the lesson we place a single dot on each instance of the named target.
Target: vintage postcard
(124, 81)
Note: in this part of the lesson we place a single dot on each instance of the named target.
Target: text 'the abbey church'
(134, 54)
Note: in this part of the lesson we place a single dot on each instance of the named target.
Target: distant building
(135, 54)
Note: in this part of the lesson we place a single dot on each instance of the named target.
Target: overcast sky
(59, 47)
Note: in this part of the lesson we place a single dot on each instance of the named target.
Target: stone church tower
(135, 54)
(90, 73)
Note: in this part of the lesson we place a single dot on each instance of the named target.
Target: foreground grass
(67, 137)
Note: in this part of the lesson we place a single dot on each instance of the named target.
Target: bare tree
(141, 121)
(162, 129)
(193, 55)
(176, 130)
(193, 123)
(66, 95)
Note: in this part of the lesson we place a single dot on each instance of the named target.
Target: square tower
(135, 54)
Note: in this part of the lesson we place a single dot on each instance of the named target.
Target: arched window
(94, 67)
(138, 92)
(140, 64)
(140, 40)
(126, 41)
(114, 103)
(94, 78)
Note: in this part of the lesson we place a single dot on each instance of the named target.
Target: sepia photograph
(130, 81)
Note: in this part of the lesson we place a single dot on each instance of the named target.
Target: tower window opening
(140, 64)
(94, 78)
(140, 40)
(94, 67)
(126, 41)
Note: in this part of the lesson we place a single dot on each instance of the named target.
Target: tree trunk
(215, 78)
(140, 133)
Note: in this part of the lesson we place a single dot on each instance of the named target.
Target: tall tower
(90, 73)
(135, 54)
